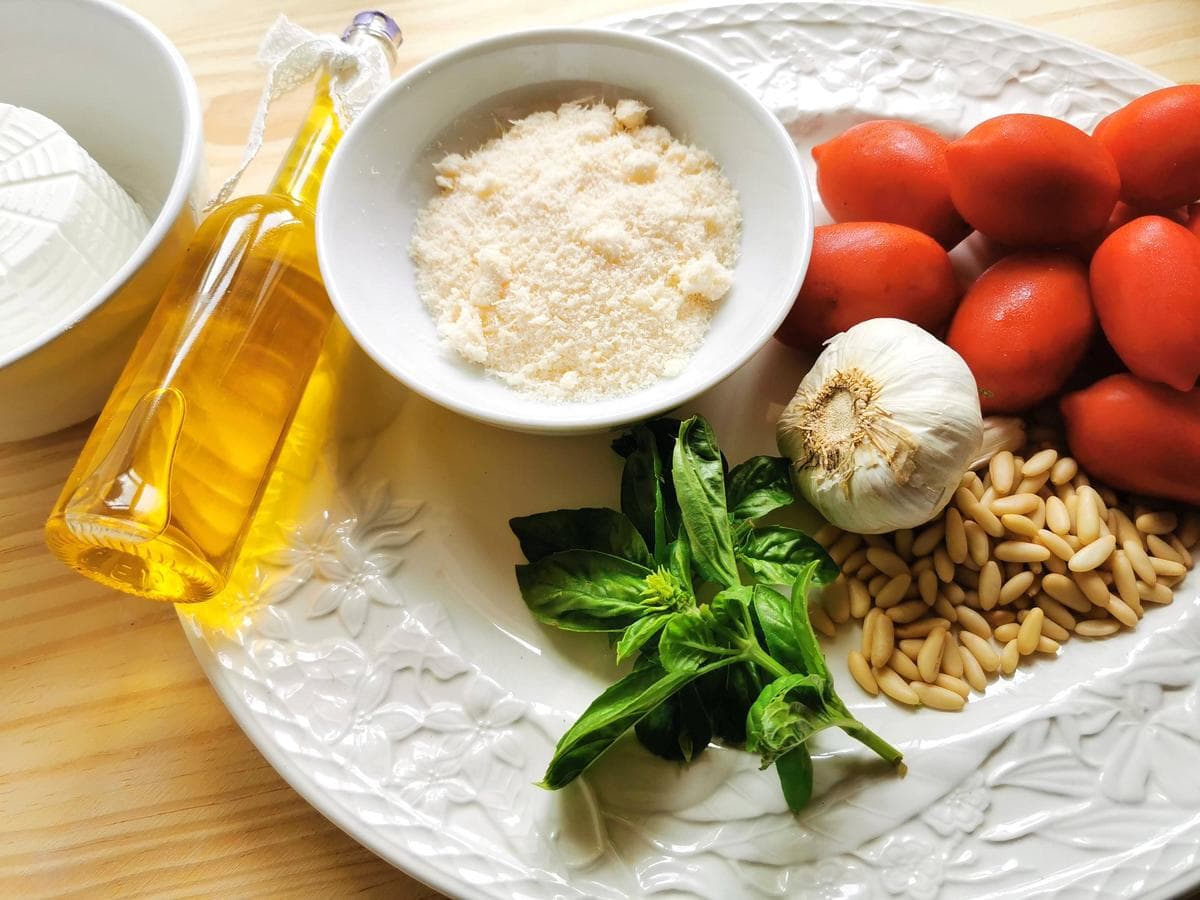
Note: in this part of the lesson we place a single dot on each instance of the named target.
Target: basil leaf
(787, 713)
(639, 633)
(647, 495)
(678, 728)
(692, 639)
(781, 633)
(583, 590)
(728, 695)
(795, 772)
(758, 486)
(699, 479)
(679, 563)
(605, 530)
(777, 555)
(609, 716)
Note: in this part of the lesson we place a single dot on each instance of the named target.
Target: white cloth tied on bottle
(294, 56)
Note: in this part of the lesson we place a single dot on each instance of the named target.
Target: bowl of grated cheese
(564, 230)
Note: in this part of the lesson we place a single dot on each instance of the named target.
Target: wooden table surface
(121, 774)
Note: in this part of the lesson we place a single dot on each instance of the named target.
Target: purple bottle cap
(377, 23)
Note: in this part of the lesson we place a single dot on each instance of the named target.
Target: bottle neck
(300, 173)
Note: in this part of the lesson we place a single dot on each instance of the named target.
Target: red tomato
(1023, 327)
(1145, 282)
(1029, 180)
(1137, 436)
(1193, 219)
(1155, 141)
(889, 171)
(868, 270)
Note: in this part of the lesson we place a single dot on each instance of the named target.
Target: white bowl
(119, 87)
(382, 175)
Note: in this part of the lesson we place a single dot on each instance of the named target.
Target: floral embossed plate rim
(360, 676)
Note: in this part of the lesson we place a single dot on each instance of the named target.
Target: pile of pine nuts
(1022, 559)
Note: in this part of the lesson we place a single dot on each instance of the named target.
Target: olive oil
(163, 492)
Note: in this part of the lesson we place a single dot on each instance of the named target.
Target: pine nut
(1157, 523)
(1093, 587)
(1038, 516)
(1185, 555)
(1155, 593)
(924, 564)
(1167, 568)
(1056, 612)
(861, 673)
(1017, 504)
(1020, 551)
(1053, 630)
(921, 628)
(929, 539)
(1042, 461)
(938, 697)
(973, 672)
(883, 640)
(1063, 470)
(1016, 586)
(956, 537)
(950, 683)
(1058, 519)
(844, 546)
(1006, 633)
(1140, 561)
(952, 661)
(1056, 565)
(1002, 472)
(895, 687)
(892, 592)
(1160, 548)
(876, 540)
(981, 650)
(1121, 612)
(929, 660)
(827, 535)
(904, 541)
(855, 560)
(1030, 631)
(887, 562)
(1189, 531)
(1031, 484)
(972, 508)
(868, 633)
(904, 667)
(1010, 657)
(967, 579)
(908, 611)
(1087, 516)
(876, 584)
(1055, 544)
(910, 647)
(978, 545)
(860, 598)
(997, 617)
(1125, 581)
(973, 622)
(943, 565)
(1092, 555)
(1066, 592)
(1047, 644)
(990, 582)
(927, 586)
(944, 608)
(821, 621)
(1019, 525)
(1097, 628)
(954, 592)
(866, 573)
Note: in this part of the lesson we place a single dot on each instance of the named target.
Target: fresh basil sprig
(744, 667)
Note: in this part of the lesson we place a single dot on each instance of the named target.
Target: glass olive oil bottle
(165, 487)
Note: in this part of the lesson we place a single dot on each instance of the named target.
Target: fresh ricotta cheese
(65, 226)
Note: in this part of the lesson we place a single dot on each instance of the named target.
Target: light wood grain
(121, 774)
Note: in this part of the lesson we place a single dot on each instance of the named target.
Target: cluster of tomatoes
(1096, 283)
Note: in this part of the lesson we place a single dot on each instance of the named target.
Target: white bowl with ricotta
(382, 176)
(101, 170)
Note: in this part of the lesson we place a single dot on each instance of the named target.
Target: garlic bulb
(882, 428)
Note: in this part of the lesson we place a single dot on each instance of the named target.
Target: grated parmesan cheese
(580, 254)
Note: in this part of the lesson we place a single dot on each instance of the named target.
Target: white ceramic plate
(388, 668)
